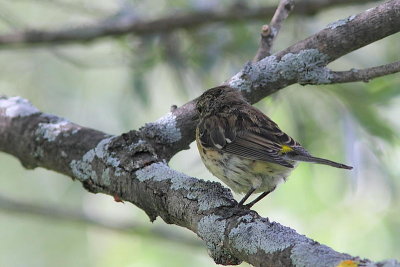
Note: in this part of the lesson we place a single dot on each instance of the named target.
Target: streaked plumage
(243, 147)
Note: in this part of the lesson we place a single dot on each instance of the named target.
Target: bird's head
(216, 98)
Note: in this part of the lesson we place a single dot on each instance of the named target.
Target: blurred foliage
(117, 84)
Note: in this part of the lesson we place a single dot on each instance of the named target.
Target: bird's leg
(259, 198)
(248, 194)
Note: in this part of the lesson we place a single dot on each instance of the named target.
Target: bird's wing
(249, 134)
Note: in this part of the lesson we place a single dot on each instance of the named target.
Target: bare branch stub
(269, 32)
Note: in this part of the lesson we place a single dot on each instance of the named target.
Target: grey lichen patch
(314, 254)
(101, 151)
(208, 195)
(211, 229)
(250, 237)
(240, 82)
(50, 131)
(307, 66)
(82, 169)
(164, 130)
(157, 171)
(253, 235)
(260, 73)
(340, 22)
(160, 171)
(16, 107)
(390, 263)
(105, 177)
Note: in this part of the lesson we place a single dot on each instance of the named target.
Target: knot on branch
(133, 151)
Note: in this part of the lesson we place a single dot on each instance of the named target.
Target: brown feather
(242, 130)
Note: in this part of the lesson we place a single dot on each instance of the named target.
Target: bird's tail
(321, 161)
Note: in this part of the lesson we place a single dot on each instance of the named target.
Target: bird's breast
(241, 174)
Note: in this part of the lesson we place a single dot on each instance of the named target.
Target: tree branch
(305, 62)
(68, 6)
(69, 215)
(269, 32)
(364, 75)
(131, 25)
(126, 166)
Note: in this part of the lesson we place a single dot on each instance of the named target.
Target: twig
(68, 215)
(269, 32)
(355, 75)
(76, 34)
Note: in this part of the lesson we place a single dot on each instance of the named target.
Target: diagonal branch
(128, 167)
(269, 32)
(131, 25)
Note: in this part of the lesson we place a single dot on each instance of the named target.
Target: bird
(243, 147)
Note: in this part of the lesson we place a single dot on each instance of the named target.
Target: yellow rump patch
(286, 149)
(347, 263)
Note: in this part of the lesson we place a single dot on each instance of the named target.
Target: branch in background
(269, 32)
(131, 25)
(74, 216)
(364, 75)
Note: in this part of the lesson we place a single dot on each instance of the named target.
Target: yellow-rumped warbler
(243, 147)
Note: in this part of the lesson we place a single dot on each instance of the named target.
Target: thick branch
(172, 22)
(126, 166)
